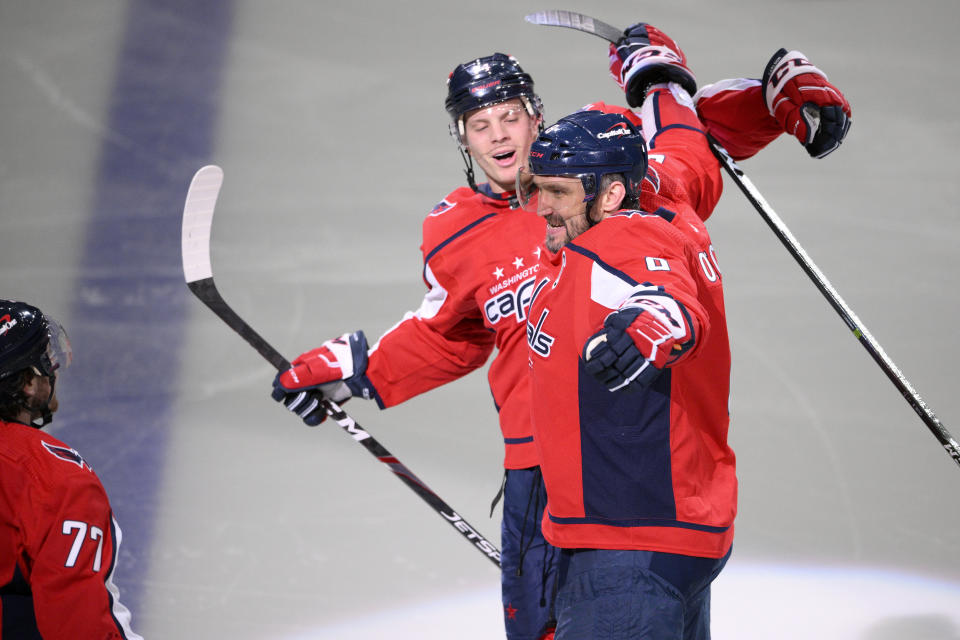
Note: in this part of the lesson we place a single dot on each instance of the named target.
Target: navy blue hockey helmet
(30, 340)
(487, 81)
(590, 145)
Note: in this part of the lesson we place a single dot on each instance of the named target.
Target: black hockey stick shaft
(206, 290)
(197, 222)
(839, 305)
(596, 27)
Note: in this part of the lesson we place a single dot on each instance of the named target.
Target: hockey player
(58, 538)
(630, 368)
(481, 259)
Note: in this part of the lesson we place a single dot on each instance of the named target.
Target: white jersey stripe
(120, 613)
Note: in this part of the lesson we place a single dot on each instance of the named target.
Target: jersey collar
(506, 197)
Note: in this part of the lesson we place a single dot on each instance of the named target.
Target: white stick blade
(577, 21)
(558, 18)
(197, 221)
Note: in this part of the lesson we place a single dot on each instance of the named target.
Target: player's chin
(506, 179)
(556, 238)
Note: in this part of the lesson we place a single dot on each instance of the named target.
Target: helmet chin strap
(46, 416)
(513, 201)
(468, 161)
(590, 207)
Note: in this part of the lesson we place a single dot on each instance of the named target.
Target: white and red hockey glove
(645, 56)
(637, 341)
(334, 371)
(804, 102)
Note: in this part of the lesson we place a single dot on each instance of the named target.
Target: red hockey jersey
(58, 543)
(480, 261)
(481, 258)
(644, 468)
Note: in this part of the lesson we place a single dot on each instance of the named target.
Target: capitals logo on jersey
(441, 207)
(511, 295)
(539, 341)
(66, 453)
(653, 176)
(512, 302)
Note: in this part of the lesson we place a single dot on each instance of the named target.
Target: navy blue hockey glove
(646, 56)
(804, 102)
(306, 404)
(636, 343)
(334, 371)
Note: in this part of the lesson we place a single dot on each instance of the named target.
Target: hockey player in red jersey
(630, 368)
(480, 261)
(58, 537)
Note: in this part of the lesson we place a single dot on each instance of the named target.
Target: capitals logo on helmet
(591, 144)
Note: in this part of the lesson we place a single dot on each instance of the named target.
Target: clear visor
(59, 352)
(491, 119)
(553, 194)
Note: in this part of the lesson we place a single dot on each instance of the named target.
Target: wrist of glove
(645, 56)
(804, 102)
(334, 371)
(636, 343)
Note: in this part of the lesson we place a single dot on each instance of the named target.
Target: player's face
(560, 203)
(499, 139)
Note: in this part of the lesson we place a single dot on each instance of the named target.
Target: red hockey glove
(805, 104)
(334, 371)
(637, 342)
(645, 56)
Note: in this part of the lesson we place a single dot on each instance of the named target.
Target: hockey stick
(612, 34)
(576, 21)
(869, 343)
(198, 273)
